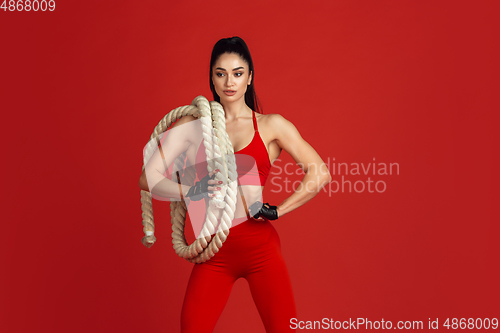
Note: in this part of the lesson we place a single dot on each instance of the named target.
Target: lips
(229, 92)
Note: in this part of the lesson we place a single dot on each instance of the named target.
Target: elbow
(327, 178)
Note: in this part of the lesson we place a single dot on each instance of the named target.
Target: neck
(236, 109)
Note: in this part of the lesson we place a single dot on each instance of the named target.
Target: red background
(407, 82)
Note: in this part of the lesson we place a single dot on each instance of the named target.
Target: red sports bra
(252, 162)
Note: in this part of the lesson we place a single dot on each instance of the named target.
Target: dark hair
(235, 45)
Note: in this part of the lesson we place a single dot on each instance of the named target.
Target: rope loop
(220, 155)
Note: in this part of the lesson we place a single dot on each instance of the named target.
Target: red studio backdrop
(411, 85)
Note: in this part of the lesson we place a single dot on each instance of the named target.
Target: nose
(229, 81)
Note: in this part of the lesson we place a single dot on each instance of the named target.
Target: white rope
(220, 155)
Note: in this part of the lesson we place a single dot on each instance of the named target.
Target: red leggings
(251, 251)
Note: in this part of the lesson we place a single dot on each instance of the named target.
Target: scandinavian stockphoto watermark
(367, 324)
(353, 177)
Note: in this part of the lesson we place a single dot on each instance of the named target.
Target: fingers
(213, 194)
(215, 183)
(212, 173)
(214, 188)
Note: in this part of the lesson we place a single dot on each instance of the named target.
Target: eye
(219, 74)
(238, 74)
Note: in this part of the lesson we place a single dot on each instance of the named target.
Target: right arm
(152, 179)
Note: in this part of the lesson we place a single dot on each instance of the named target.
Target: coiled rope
(220, 155)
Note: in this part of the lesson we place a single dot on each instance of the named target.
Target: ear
(249, 79)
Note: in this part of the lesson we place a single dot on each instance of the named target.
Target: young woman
(252, 249)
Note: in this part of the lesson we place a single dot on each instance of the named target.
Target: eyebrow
(234, 69)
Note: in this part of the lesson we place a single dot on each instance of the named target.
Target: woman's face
(231, 77)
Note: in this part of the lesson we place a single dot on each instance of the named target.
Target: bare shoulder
(276, 124)
(274, 119)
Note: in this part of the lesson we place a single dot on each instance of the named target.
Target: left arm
(316, 175)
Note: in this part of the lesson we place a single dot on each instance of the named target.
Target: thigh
(206, 296)
(272, 293)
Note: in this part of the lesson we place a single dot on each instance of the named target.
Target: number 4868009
(28, 5)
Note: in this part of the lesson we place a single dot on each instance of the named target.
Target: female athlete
(252, 250)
